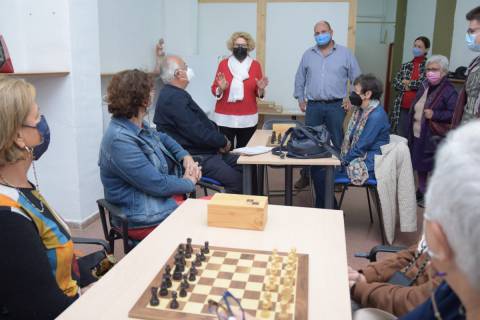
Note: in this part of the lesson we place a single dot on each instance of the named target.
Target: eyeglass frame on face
(215, 306)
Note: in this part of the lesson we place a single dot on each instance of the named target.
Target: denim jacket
(134, 172)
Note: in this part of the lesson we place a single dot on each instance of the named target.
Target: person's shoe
(302, 182)
(421, 203)
(419, 195)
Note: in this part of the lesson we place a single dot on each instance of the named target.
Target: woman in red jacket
(238, 83)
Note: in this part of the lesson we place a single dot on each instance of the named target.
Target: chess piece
(206, 248)
(163, 289)
(154, 299)
(279, 138)
(286, 294)
(271, 285)
(185, 281)
(202, 254)
(168, 279)
(177, 273)
(188, 249)
(194, 269)
(183, 291)
(168, 268)
(273, 138)
(284, 312)
(198, 260)
(191, 276)
(174, 302)
(287, 281)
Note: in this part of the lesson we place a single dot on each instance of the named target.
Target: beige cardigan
(396, 187)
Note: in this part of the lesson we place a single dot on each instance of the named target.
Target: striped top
(52, 230)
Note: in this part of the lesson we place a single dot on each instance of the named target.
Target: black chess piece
(194, 269)
(279, 138)
(163, 289)
(185, 281)
(189, 248)
(168, 269)
(168, 279)
(198, 260)
(191, 276)
(154, 299)
(206, 248)
(273, 138)
(174, 302)
(202, 254)
(183, 291)
(177, 273)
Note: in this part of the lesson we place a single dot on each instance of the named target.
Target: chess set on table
(278, 131)
(268, 284)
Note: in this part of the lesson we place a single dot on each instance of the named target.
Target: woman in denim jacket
(141, 169)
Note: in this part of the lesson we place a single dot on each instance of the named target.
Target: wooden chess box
(237, 211)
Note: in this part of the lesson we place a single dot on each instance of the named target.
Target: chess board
(242, 272)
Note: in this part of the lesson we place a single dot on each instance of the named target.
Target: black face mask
(355, 99)
(240, 53)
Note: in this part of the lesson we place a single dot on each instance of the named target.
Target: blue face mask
(323, 38)
(417, 52)
(470, 39)
(44, 132)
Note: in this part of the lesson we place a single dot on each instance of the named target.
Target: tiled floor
(360, 234)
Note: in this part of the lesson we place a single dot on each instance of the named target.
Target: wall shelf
(38, 74)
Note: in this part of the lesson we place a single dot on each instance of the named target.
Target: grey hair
(167, 68)
(441, 60)
(453, 197)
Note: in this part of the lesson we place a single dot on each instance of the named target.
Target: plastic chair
(211, 184)
(370, 186)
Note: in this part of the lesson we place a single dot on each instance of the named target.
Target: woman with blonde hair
(238, 83)
(38, 263)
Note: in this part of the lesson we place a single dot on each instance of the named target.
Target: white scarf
(239, 71)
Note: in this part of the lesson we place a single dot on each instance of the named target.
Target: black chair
(372, 255)
(371, 187)
(114, 225)
(207, 183)
(91, 261)
(268, 125)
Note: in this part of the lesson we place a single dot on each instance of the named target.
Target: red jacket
(249, 103)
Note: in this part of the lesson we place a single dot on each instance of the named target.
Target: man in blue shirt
(321, 84)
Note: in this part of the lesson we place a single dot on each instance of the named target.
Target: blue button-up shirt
(135, 175)
(322, 77)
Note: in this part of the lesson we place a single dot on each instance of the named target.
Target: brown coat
(376, 292)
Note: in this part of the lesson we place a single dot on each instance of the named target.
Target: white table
(317, 232)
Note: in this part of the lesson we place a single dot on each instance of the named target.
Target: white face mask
(190, 74)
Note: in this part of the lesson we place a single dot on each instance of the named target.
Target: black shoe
(302, 182)
(421, 203)
(419, 195)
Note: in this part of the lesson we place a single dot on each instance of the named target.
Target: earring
(29, 150)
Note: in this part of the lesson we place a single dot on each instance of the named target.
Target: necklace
(5, 181)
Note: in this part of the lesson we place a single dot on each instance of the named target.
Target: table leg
(260, 179)
(329, 188)
(247, 179)
(288, 185)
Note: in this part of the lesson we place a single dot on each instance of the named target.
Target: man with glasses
(321, 84)
(468, 103)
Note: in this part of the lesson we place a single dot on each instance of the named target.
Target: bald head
(323, 25)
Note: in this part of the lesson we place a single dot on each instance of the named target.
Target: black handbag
(306, 143)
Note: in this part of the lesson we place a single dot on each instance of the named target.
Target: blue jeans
(331, 115)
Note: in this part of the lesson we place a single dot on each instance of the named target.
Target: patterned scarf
(357, 170)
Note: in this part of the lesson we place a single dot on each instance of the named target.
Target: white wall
(420, 22)
(59, 35)
(460, 54)
(375, 31)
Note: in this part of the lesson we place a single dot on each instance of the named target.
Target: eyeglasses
(228, 308)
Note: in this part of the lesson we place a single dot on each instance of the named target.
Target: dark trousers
(241, 135)
(402, 129)
(329, 114)
(223, 168)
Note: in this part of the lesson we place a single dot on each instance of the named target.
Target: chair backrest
(268, 125)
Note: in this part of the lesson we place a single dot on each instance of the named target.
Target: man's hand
(354, 276)
(222, 83)
(227, 147)
(346, 104)
(159, 49)
(428, 113)
(302, 105)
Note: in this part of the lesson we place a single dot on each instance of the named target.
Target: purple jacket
(441, 99)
